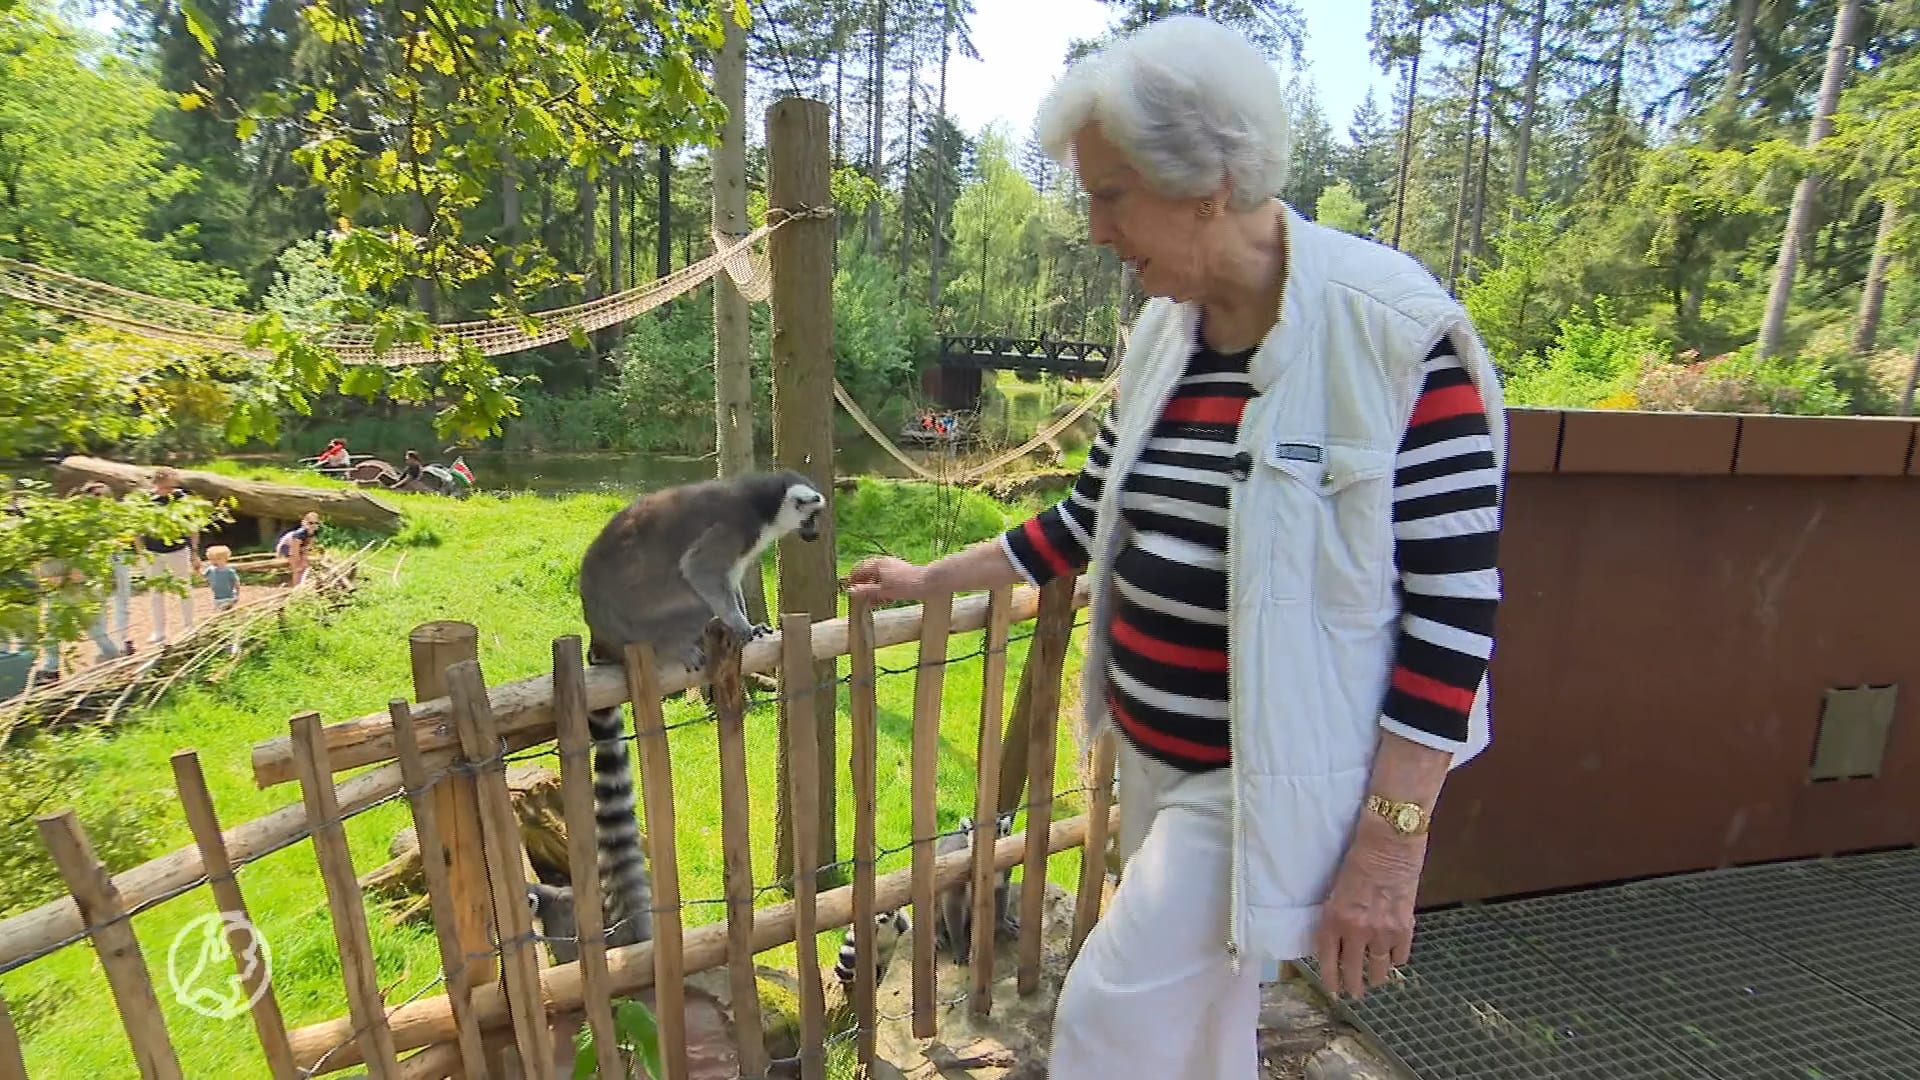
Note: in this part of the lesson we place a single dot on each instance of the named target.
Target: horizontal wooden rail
(630, 968)
(525, 706)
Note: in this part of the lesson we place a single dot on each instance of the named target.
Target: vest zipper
(1233, 753)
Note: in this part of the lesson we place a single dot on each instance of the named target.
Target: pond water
(567, 473)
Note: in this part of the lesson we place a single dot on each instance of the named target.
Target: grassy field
(508, 565)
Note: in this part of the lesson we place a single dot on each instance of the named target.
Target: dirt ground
(78, 656)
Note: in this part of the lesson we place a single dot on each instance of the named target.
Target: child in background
(224, 580)
(295, 545)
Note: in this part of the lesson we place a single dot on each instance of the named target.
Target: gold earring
(1206, 208)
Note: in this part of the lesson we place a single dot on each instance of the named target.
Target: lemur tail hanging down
(626, 889)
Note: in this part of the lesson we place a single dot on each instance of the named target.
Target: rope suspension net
(224, 330)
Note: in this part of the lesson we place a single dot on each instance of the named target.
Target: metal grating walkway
(1799, 971)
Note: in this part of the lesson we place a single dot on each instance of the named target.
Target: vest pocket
(1353, 573)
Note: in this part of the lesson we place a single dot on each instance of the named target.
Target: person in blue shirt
(224, 580)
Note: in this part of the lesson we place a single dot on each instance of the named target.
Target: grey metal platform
(1799, 971)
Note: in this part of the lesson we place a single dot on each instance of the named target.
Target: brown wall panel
(1608, 441)
(1663, 647)
(1823, 446)
(1533, 440)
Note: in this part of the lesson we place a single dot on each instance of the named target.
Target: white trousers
(175, 564)
(1150, 994)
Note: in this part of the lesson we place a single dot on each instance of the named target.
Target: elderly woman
(1290, 523)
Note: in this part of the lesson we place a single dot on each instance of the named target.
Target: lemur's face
(800, 511)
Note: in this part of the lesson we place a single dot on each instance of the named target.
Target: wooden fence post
(110, 927)
(864, 710)
(930, 680)
(730, 711)
(426, 830)
(576, 793)
(1045, 661)
(433, 647)
(993, 693)
(480, 745)
(12, 1065)
(656, 792)
(800, 256)
(191, 784)
(1093, 853)
(797, 695)
(364, 1001)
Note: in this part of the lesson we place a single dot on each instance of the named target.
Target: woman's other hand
(1366, 925)
(883, 577)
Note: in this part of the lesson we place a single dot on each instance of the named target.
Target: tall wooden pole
(801, 258)
(732, 340)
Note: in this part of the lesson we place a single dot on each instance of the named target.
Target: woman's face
(1160, 237)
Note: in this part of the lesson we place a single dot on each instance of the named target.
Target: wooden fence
(499, 1002)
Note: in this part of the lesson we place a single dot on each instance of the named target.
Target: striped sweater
(1167, 686)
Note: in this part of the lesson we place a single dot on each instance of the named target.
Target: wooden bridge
(1041, 355)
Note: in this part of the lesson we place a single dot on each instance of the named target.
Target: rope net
(224, 330)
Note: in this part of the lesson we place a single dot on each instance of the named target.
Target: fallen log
(250, 498)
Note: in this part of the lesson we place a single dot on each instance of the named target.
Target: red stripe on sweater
(1427, 688)
(1163, 742)
(1166, 652)
(1205, 409)
(1445, 403)
(1038, 537)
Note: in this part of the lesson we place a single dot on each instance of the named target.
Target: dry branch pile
(105, 691)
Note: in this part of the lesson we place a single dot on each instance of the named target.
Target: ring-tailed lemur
(953, 927)
(888, 928)
(671, 561)
(626, 889)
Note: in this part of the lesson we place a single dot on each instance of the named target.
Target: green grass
(507, 565)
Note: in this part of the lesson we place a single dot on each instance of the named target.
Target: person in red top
(335, 456)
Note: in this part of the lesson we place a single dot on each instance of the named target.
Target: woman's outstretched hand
(883, 577)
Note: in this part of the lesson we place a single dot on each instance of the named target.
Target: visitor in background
(335, 456)
(167, 560)
(222, 579)
(296, 544)
(121, 628)
(408, 471)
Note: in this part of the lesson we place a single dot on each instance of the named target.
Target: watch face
(1407, 818)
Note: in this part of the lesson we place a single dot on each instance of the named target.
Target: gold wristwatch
(1406, 818)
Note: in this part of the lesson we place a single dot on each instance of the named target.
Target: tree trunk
(663, 212)
(589, 222)
(251, 498)
(1867, 329)
(1736, 80)
(1799, 218)
(937, 242)
(509, 198)
(1529, 101)
(732, 362)
(1478, 245)
(906, 159)
(615, 234)
(1913, 379)
(1463, 206)
(1406, 131)
(876, 116)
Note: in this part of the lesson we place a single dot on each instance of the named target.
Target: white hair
(1190, 102)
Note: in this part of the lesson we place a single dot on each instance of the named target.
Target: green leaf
(191, 101)
(198, 24)
(245, 128)
(577, 336)
(637, 1030)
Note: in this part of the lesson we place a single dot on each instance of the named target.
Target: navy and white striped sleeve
(1059, 539)
(1446, 529)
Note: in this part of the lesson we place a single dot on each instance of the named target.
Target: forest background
(1696, 204)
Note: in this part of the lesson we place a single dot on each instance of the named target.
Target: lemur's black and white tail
(889, 927)
(625, 886)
